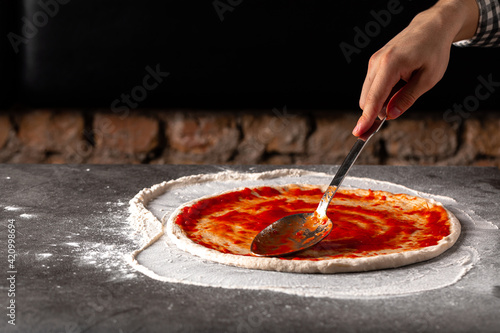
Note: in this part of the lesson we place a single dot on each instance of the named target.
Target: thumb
(405, 97)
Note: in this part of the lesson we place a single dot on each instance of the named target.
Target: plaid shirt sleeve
(488, 30)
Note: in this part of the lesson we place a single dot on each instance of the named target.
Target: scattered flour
(12, 208)
(41, 256)
(107, 253)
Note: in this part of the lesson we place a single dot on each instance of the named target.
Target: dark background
(264, 54)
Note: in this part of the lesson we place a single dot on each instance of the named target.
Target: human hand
(417, 57)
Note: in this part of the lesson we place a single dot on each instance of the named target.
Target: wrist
(460, 18)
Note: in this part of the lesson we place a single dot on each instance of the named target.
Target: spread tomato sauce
(365, 223)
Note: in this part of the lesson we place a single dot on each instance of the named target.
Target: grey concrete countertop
(69, 276)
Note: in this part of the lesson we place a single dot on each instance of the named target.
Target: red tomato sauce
(361, 226)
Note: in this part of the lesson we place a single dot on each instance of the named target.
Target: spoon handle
(347, 164)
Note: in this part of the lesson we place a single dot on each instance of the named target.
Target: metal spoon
(297, 232)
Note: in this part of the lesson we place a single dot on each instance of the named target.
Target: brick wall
(277, 136)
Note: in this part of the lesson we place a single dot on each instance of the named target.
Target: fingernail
(394, 113)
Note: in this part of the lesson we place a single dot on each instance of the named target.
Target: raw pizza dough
(321, 258)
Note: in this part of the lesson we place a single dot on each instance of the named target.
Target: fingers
(374, 94)
(386, 90)
(397, 97)
(405, 97)
(370, 75)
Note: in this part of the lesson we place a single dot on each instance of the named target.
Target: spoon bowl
(291, 234)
